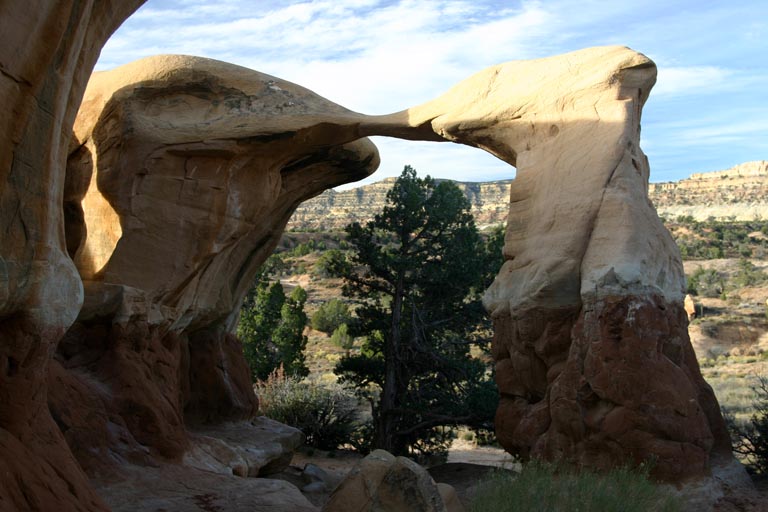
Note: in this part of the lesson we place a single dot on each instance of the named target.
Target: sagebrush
(327, 414)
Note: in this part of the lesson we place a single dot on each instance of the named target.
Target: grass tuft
(545, 487)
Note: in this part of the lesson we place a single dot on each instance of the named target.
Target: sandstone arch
(592, 286)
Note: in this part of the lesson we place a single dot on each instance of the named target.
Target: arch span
(593, 359)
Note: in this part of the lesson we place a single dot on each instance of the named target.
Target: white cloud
(687, 80)
(726, 132)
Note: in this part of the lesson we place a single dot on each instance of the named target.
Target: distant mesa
(334, 209)
(738, 193)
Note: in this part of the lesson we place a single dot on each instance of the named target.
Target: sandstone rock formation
(178, 181)
(48, 52)
(175, 488)
(593, 359)
(181, 176)
(382, 482)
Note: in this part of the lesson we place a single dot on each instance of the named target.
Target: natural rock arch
(591, 289)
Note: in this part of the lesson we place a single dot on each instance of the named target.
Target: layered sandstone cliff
(334, 209)
(738, 193)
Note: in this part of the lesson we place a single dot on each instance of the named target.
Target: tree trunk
(387, 419)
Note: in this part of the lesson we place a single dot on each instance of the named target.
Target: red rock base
(37, 470)
(606, 384)
(125, 393)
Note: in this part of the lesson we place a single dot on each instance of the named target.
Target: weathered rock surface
(382, 482)
(175, 488)
(260, 447)
(48, 52)
(593, 359)
(181, 176)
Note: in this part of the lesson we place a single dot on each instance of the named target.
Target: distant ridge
(738, 193)
(332, 210)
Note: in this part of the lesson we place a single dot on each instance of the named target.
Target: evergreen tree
(271, 329)
(289, 336)
(417, 271)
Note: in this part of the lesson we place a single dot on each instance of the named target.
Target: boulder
(317, 479)
(178, 488)
(450, 498)
(259, 447)
(382, 482)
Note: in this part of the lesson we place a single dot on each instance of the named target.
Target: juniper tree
(417, 272)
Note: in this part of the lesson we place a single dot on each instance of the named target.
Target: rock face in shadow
(48, 52)
(182, 175)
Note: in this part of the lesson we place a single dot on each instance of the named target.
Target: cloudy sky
(708, 110)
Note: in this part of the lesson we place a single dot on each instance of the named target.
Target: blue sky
(708, 110)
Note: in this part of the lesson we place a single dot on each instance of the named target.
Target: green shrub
(328, 262)
(545, 487)
(341, 338)
(748, 274)
(330, 316)
(326, 414)
(707, 283)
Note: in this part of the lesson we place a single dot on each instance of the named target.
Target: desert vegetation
(348, 323)
(541, 486)
(395, 317)
(726, 272)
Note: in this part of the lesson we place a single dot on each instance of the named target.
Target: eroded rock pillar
(48, 52)
(593, 360)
